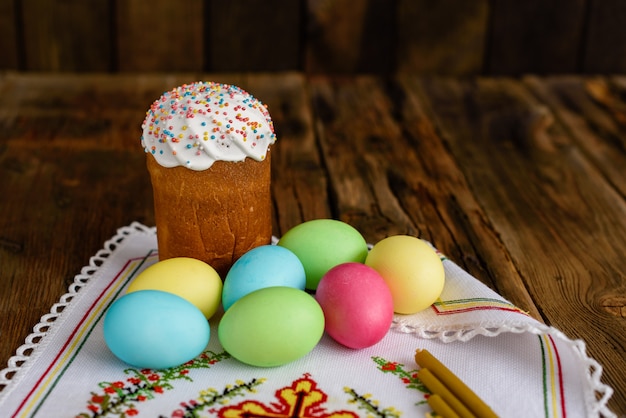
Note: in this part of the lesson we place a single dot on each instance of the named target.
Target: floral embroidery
(371, 406)
(303, 399)
(120, 397)
(409, 378)
(211, 396)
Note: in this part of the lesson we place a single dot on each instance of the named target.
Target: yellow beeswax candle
(437, 388)
(441, 407)
(455, 385)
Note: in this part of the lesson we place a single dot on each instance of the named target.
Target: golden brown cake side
(214, 215)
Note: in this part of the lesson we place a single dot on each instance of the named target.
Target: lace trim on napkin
(597, 404)
(23, 353)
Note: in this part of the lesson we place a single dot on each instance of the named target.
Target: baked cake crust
(214, 215)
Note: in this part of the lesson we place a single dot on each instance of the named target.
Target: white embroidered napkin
(517, 365)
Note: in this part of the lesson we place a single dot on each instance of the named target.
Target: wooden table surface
(520, 181)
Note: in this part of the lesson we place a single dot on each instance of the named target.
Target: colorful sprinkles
(196, 124)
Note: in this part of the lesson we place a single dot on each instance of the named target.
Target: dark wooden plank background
(538, 36)
(145, 28)
(65, 35)
(451, 37)
(443, 37)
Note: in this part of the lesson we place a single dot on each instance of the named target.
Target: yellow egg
(191, 279)
(412, 270)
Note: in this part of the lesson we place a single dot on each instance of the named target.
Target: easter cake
(207, 146)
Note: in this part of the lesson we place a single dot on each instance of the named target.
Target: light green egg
(272, 326)
(322, 244)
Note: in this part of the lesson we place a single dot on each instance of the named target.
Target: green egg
(322, 244)
(272, 326)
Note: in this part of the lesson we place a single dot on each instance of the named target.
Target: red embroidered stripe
(450, 307)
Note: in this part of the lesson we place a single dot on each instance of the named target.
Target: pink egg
(357, 305)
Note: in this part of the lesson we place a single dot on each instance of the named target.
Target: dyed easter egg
(155, 330)
(357, 305)
(271, 326)
(191, 279)
(264, 266)
(412, 270)
(322, 244)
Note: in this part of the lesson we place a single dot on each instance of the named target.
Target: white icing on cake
(196, 124)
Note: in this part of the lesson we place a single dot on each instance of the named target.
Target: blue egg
(261, 267)
(152, 329)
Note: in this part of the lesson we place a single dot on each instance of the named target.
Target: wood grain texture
(46, 199)
(353, 131)
(299, 179)
(69, 35)
(160, 36)
(404, 180)
(560, 219)
(443, 37)
(595, 117)
(535, 36)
